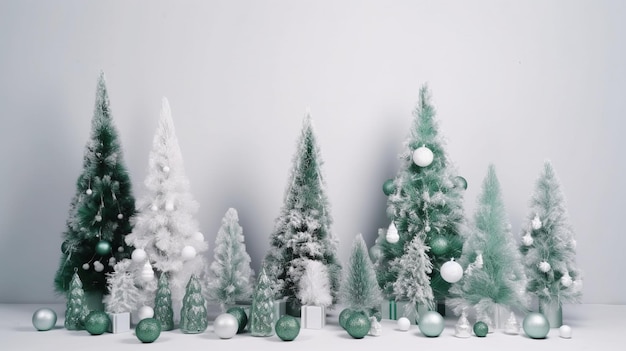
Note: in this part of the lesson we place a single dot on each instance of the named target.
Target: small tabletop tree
(163, 311)
(360, 290)
(76, 307)
(193, 315)
(262, 310)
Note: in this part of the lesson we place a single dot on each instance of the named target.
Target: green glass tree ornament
(262, 310)
(163, 311)
(193, 315)
(76, 308)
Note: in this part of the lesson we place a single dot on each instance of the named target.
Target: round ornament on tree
(197, 236)
(404, 324)
(431, 324)
(98, 266)
(103, 248)
(536, 325)
(451, 271)
(145, 312)
(544, 266)
(460, 182)
(423, 156)
(148, 330)
(44, 319)
(388, 187)
(225, 326)
(138, 255)
(97, 322)
(242, 318)
(439, 245)
(188, 252)
(358, 325)
(65, 247)
(481, 329)
(88, 191)
(287, 328)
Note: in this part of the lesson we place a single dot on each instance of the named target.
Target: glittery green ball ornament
(536, 325)
(358, 325)
(97, 322)
(481, 329)
(148, 330)
(439, 245)
(460, 182)
(287, 328)
(431, 324)
(344, 316)
(388, 187)
(103, 248)
(242, 317)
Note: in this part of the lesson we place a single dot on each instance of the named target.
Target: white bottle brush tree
(549, 246)
(124, 295)
(230, 276)
(302, 230)
(314, 285)
(165, 234)
(494, 279)
(413, 281)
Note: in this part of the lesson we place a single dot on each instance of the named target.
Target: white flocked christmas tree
(230, 275)
(413, 282)
(165, 230)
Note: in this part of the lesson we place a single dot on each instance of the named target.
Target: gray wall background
(514, 83)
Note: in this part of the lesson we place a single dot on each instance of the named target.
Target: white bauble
(169, 206)
(423, 156)
(166, 169)
(544, 266)
(536, 223)
(527, 240)
(188, 252)
(451, 271)
(225, 326)
(147, 274)
(138, 255)
(565, 331)
(145, 312)
(198, 236)
(392, 234)
(154, 208)
(566, 280)
(89, 191)
(404, 323)
(120, 216)
(86, 266)
(98, 267)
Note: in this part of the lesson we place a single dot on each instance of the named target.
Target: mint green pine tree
(193, 315)
(494, 279)
(76, 307)
(262, 317)
(426, 201)
(549, 245)
(101, 208)
(163, 311)
(302, 230)
(360, 290)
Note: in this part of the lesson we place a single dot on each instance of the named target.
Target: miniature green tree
(494, 278)
(163, 311)
(262, 317)
(360, 290)
(426, 201)
(193, 315)
(302, 230)
(76, 307)
(101, 208)
(230, 273)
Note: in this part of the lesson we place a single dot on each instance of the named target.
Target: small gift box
(120, 322)
(313, 317)
(395, 309)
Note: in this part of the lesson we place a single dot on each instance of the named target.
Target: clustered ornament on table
(149, 260)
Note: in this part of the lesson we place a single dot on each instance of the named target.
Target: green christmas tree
(231, 275)
(101, 208)
(494, 278)
(426, 200)
(413, 283)
(360, 290)
(548, 244)
(262, 317)
(163, 311)
(193, 315)
(302, 231)
(76, 307)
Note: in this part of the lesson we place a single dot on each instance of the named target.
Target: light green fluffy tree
(360, 290)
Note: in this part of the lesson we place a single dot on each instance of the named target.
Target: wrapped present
(395, 309)
(120, 322)
(313, 317)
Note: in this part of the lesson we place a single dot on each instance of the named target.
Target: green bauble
(358, 325)
(431, 324)
(65, 247)
(460, 182)
(388, 187)
(242, 317)
(148, 330)
(344, 316)
(481, 329)
(103, 248)
(536, 325)
(97, 322)
(439, 245)
(287, 328)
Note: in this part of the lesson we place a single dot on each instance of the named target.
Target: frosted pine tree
(262, 316)
(360, 290)
(426, 201)
(165, 227)
(494, 280)
(549, 246)
(413, 281)
(193, 315)
(302, 230)
(76, 307)
(230, 277)
(314, 285)
(163, 311)
(124, 295)
(101, 208)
